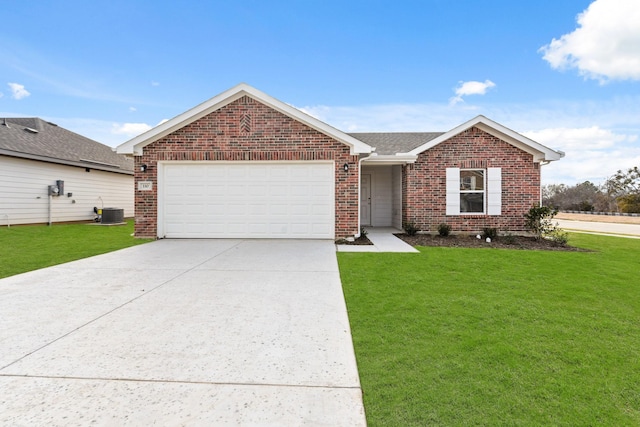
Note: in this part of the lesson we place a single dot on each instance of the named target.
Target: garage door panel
(254, 200)
(320, 211)
(194, 172)
(257, 190)
(278, 190)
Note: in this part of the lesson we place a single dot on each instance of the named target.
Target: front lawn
(30, 247)
(455, 336)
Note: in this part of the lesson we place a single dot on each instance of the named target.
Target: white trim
(540, 152)
(135, 145)
(474, 191)
(160, 199)
(391, 159)
(359, 191)
(161, 233)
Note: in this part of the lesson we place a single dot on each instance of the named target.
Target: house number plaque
(145, 185)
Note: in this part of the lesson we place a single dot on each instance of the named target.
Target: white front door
(365, 199)
(246, 200)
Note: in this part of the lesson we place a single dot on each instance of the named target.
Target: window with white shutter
(474, 191)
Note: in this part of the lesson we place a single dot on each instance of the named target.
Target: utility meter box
(58, 189)
(54, 190)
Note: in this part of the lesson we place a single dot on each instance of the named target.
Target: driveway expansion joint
(163, 381)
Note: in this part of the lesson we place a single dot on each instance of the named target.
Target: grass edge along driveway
(455, 336)
(30, 247)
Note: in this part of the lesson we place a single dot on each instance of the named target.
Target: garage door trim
(162, 180)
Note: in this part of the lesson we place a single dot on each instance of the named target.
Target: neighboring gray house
(34, 154)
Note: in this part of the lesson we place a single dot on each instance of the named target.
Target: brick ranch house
(246, 165)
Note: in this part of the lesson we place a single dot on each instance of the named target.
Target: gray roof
(36, 139)
(389, 143)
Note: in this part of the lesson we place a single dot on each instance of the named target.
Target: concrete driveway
(181, 332)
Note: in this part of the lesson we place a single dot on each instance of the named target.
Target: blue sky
(565, 73)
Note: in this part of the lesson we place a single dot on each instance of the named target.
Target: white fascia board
(390, 159)
(539, 151)
(134, 146)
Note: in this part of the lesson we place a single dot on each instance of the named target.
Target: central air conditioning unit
(112, 216)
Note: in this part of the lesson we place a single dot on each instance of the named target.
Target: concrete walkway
(383, 240)
(606, 228)
(181, 332)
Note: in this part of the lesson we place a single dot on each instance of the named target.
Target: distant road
(595, 226)
(599, 218)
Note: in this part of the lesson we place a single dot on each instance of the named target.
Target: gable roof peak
(540, 152)
(135, 145)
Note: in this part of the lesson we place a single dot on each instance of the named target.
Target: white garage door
(246, 200)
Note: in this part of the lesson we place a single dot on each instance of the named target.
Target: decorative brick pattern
(247, 130)
(424, 183)
(245, 122)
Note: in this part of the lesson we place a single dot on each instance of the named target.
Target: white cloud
(591, 153)
(132, 109)
(130, 129)
(597, 137)
(591, 138)
(18, 91)
(605, 46)
(471, 88)
(155, 83)
(392, 117)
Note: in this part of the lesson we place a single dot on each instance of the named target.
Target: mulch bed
(362, 240)
(465, 241)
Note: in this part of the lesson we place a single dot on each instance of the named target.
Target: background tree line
(619, 193)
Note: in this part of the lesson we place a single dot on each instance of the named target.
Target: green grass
(462, 337)
(26, 248)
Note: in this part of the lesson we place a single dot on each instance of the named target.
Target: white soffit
(135, 145)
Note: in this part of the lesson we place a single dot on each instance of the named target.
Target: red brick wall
(424, 183)
(247, 130)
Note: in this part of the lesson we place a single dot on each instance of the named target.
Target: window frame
(493, 192)
(474, 191)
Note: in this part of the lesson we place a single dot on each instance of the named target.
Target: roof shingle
(389, 143)
(32, 137)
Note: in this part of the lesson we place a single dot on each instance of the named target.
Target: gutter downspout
(50, 202)
(542, 163)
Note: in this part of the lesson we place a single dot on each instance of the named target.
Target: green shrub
(539, 221)
(363, 232)
(410, 228)
(489, 232)
(444, 230)
(559, 237)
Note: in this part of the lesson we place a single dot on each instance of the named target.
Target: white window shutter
(494, 191)
(453, 191)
